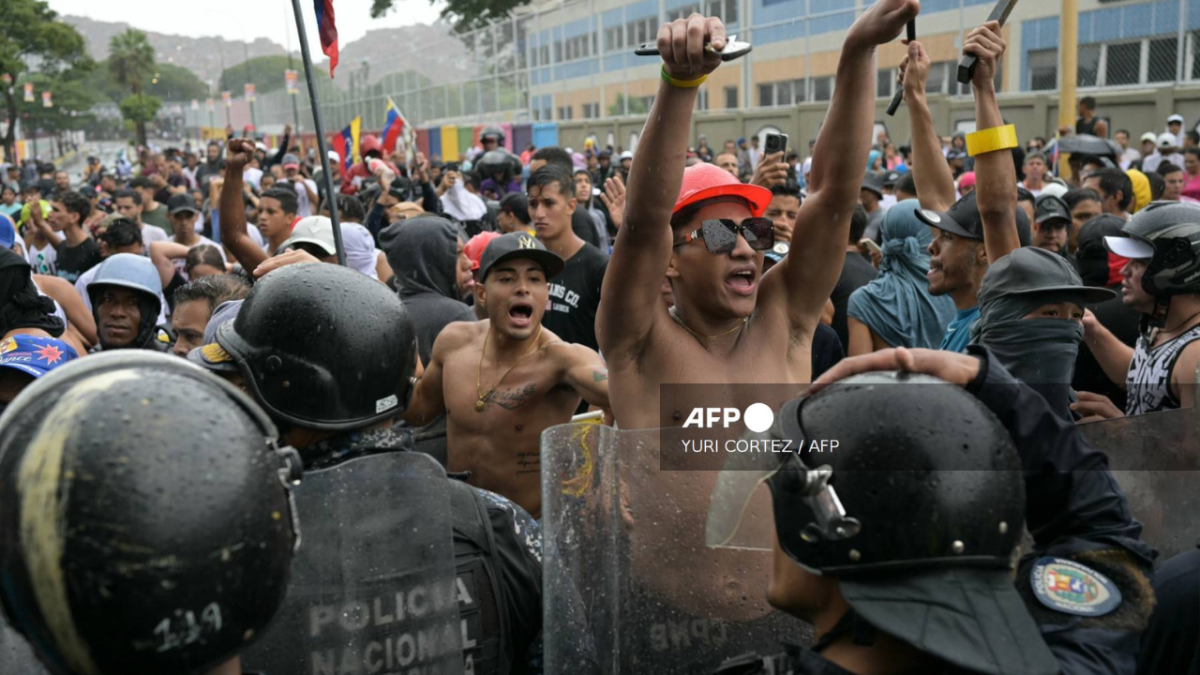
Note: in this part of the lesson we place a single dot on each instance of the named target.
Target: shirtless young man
(731, 323)
(504, 380)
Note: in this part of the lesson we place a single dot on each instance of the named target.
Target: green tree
(176, 83)
(71, 110)
(636, 106)
(131, 62)
(140, 109)
(266, 74)
(30, 33)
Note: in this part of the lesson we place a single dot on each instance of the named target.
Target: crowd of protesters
(1077, 273)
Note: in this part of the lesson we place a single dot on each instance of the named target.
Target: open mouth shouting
(520, 313)
(741, 280)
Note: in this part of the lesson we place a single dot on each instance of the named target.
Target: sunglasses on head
(720, 236)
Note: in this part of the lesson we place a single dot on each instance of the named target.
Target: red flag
(328, 31)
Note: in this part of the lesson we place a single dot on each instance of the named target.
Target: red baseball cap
(706, 181)
(474, 248)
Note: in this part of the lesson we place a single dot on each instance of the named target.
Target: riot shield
(373, 584)
(1156, 460)
(630, 584)
(16, 656)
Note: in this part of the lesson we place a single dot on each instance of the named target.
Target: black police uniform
(1074, 510)
(498, 556)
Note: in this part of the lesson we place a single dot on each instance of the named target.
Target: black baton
(966, 65)
(899, 96)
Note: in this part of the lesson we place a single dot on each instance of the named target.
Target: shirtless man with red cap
(731, 323)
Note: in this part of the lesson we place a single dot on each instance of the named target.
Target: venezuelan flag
(327, 29)
(393, 127)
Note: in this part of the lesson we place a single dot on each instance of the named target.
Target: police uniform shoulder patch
(1071, 588)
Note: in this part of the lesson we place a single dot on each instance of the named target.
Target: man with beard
(710, 242)
(125, 302)
(504, 380)
(1051, 225)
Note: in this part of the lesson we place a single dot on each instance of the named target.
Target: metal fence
(571, 61)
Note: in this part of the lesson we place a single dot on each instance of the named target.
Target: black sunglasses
(720, 236)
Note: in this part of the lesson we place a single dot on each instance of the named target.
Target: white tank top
(1148, 382)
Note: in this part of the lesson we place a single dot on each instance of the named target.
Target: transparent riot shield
(16, 656)
(630, 584)
(373, 583)
(1156, 460)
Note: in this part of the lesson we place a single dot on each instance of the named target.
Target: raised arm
(811, 271)
(163, 254)
(65, 294)
(232, 211)
(630, 295)
(995, 173)
(931, 172)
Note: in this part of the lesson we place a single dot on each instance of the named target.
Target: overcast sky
(247, 19)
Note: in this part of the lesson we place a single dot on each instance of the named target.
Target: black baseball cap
(516, 245)
(1049, 209)
(890, 179)
(1036, 270)
(956, 154)
(963, 219)
(181, 202)
(872, 182)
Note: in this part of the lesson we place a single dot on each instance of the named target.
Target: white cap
(1127, 247)
(333, 156)
(360, 249)
(1167, 140)
(627, 155)
(261, 146)
(1150, 136)
(1175, 118)
(315, 230)
(1056, 189)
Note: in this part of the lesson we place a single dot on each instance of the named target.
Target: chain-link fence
(557, 61)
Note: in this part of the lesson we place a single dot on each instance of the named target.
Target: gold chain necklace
(480, 402)
(707, 337)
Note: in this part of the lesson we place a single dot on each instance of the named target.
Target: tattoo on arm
(599, 375)
(511, 399)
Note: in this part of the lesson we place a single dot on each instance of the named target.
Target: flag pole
(331, 195)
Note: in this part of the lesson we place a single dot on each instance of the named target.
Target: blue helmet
(137, 273)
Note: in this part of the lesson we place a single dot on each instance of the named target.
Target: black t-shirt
(584, 227)
(575, 295)
(1169, 642)
(1123, 322)
(856, 273)
(826, 350)
(75, 260)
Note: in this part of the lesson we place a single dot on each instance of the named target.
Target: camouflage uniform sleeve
(519, 567)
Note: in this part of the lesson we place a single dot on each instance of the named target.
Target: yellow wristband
(682, 84)
(991, 140)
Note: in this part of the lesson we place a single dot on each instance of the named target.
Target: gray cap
(211, 355)
(872, 182)
(1035, 270)
(1048, 208)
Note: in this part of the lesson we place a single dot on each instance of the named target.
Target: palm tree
(131, 62)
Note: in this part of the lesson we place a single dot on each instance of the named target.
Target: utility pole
(1068, 60)
(253, 115)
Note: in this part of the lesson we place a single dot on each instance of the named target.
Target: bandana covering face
(896, 305)
(1039, 352)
